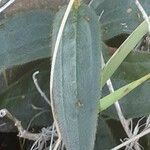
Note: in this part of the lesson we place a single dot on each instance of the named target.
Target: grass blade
(118, 57)
(118, 94)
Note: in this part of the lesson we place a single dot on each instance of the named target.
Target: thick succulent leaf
(110, 99)
(76, 85)
(25, 37)
(119, 16)
(122, 52)
(136, 103)
(23, 100)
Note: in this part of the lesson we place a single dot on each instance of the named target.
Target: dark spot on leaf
(87, 18)
(126, 90)
(79, 104)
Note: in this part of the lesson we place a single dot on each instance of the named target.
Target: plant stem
(90, 3)
(6, 5)
(145, 16)
(39, 89)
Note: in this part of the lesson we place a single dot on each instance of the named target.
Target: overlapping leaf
(122, 52)
(119, 16)
(25, 37)
(121, 92)
(104, 138)
(135, 104)
(23, 100)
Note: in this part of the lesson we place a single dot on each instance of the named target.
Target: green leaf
(104, 138)
(23, 100)
(121, 53)
(25, 37)
(135, 104)
(118, 94)
(76, 86)
(119, 16)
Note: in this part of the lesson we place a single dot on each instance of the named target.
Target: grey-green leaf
(122, 52)
(76, 78)
(25, 37)
(119, 16)
(23, 100)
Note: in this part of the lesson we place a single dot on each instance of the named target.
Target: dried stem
(145, 16)
(6, 5)
(52, 138)
(133, 139)
(39, 89)
(90, 3)
(48, 101)
(132, 135)
(22, 133)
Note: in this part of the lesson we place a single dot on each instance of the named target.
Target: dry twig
(39, 89)
(146, 18)
(143, 12)
(6, 5)
(22, 133)
(133, 139)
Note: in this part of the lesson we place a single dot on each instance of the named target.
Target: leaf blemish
(126, 90)
(79, 104)
(87, 18)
